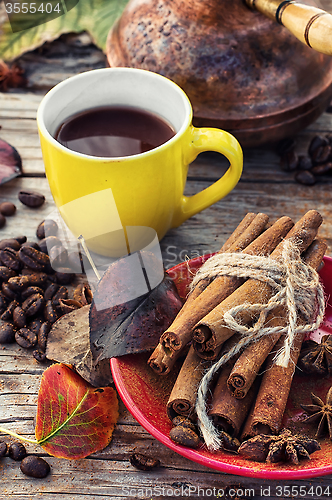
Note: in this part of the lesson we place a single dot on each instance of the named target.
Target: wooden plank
(93, 479)
(206, 231)
(14, 102)
(19, 128)
(106, 474)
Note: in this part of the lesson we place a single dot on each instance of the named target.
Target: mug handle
(210, 139)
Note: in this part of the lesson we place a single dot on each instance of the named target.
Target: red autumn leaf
(74, 419)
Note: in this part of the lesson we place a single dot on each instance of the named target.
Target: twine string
(297, 288)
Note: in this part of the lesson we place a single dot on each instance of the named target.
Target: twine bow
(297, 288)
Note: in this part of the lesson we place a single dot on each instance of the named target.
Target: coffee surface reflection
(114, 131)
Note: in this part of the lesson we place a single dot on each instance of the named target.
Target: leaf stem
(21, 438)
(55, 431)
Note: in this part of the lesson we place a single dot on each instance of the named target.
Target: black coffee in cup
(114, 131)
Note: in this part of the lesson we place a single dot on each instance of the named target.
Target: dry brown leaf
(69, 342)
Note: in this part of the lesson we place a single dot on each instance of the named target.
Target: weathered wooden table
(108, 474)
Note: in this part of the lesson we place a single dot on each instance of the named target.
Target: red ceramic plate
(145, 395)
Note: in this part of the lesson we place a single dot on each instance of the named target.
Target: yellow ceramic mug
(118, 203)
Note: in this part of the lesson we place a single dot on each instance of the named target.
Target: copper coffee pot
(242, 71)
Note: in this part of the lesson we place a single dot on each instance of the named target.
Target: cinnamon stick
(180, 332)
(164, 357)
(184, 393)
(267, 413)
(228, 412)
(211, 332)
(250, 361)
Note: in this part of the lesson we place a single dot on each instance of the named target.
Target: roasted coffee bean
(3, 449)
(2, 221)
(64, 276)
(32, 244)
(325, 168)
(36, 467)
(305, 177)
(35, 325)
(7, 333)
(8, 292)
(19, 317)
(289, 161)
(184, 436)
(61, 293)
(10, 243)
(8, 313)
(18, 283)
(33, 304)
(321, 154)
(26, 338)
(17, 451)
(6, 273)
(229, 442)
(31, 290)
(32, 258)
(7, 208)
(305, 162)
(317, 142)
(58, 256)
(83, 294)
(143, 462)
(47, 228)
(31, 199)
(46, 244)
(35, 278)
(69, 305)
(50, 313)
(43, 332)
(9, 258)
(184, 421)
(51, 291)
(39, 355)
(20, 239)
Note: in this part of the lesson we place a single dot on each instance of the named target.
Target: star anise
(320, 412)
(286, 447)
(11, 76)
(317, 358)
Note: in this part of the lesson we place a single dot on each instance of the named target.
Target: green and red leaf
(74, 419)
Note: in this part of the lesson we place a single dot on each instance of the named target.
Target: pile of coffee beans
(308, 168)
(184, 432)
(33, 295)
(31, 465)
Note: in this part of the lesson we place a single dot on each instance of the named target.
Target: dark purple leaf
(119, 327)
(10, 162)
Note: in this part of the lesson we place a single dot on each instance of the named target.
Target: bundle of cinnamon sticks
(244, 403)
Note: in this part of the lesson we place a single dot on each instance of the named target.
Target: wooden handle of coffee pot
(310, 25)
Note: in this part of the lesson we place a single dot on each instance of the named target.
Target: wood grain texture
(264, 187)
